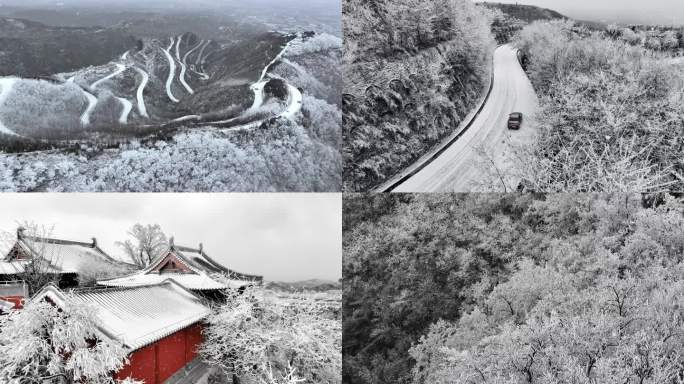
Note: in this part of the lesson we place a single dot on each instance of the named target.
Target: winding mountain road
(188, 53)
(142, 109)
(294, 103)
(172, 71)
(120, 68)
(258, 87)
(181, 77)
(199, 63)
(127, 107)
(92, 102)
(487, 142)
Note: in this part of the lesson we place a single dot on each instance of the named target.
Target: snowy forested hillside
(611, 114)
(413, 70)
(494, 288)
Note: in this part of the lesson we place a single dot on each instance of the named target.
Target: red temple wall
(17, 300)
(157, 362)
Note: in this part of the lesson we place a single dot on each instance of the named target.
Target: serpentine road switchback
(456, 168)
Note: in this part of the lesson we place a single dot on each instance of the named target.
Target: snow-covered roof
(195, 282)
(11, 267)
(198, 260)
(197, 272)
(64, 256)
(137, 316)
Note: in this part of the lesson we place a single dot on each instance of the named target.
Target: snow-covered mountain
(153, 94)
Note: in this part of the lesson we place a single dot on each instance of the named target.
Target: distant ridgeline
(510, 18)
(526, 13)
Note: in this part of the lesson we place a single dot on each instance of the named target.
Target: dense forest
(611, 111)
(412, 70)
(507, 288)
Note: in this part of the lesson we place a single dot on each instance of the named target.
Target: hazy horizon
(668, 12)
(284, 237)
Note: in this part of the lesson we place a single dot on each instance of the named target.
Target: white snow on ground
(92, 101)
(294, 99)
(120, 69)
(127, 106)
(172, 71)
(6, 84)
(124, 56)
(142, 110)
(71, 79)
(182, 64)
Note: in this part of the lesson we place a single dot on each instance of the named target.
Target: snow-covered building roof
(11, 267)
(136, 316)
(190, 267)
(63, 256)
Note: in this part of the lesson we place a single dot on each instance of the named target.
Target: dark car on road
(515, 120)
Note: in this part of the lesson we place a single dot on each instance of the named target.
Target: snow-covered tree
(257, 336)
(148, 241)
(44, 343)
(39, 269)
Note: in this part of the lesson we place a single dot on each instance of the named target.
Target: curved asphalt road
(459, 168)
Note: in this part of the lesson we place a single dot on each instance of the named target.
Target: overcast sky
(284, 237)
(623, 11)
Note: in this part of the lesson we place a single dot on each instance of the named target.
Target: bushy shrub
(43, 343)
(611, 114)
(274, 340)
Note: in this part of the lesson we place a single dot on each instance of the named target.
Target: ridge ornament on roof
(63, 256)
(192, 268)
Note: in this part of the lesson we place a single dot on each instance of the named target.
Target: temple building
(160, 325)
(64, 259)
(191, 268)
